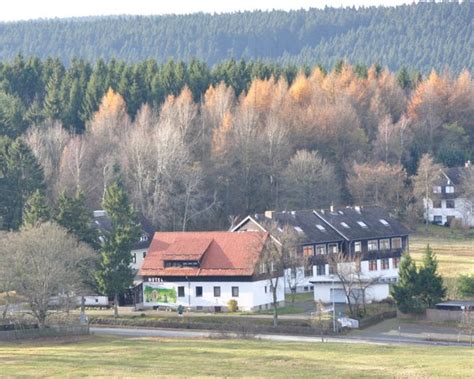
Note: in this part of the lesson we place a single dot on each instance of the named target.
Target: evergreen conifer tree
(20, 177)
(36, 210)
(407, 290)
(115, 274)
(53, 103)
(74, 216)
(431, 283)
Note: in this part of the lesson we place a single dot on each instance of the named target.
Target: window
(396, 243)
(395, 262)
(144, 254)
(373, 265)
(321, 270)
(436, 189)
(332, 248)
(384, 222)
(345, 225)
(198, 291)
(438, 220)
(320, 227)
(362, 224)
(235, 291)
(357, 246)
(308, 270)
(449, 189)
(436, 203)
(181, 291)
(385, 264)
(262, 268)
(332, 269)
(320, 249)
(385, 244)
(265, 289)
(449, 203)
(373, 245)
(298, 229)
(308, 251)
(134, 258)
(217, 291)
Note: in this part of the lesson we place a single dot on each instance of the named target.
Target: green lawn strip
(110, 356)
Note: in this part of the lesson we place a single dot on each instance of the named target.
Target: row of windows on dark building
(372, 245)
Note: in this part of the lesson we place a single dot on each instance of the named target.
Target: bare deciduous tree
(47, 142)
(309, 181)
(279, 253)
(354, 283)
(46, 261)
(378, 184)
(426, 178)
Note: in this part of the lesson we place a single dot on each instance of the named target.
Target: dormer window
(298, 229)
(143, 238)
(181, 264)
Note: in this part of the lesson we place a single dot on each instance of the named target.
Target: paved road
(178, 333)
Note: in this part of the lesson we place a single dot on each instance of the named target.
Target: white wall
(251, 294)
(302, 282)
(322, 283)
(463, 210)
(138, 263)
(377, 292)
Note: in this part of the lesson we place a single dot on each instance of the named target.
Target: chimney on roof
(467, 164)
(357, 208)
(269, 214)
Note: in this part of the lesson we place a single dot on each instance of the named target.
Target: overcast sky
(31, 9)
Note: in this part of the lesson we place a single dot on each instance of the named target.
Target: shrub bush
(232, 305)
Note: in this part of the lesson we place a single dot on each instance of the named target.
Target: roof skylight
(362, 224)
(345, 225)
(298, 229)
(320, 227)
(384, 222)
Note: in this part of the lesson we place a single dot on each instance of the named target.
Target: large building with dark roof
(368, 235)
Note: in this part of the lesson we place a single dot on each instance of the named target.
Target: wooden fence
(52, 331)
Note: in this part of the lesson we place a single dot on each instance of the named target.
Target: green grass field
(147, 357)
(455, 255)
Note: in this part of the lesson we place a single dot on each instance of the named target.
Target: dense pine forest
(421, 36)
(196, 147)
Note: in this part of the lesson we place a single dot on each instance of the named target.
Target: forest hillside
(421, 36)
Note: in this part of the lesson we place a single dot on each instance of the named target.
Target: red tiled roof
(221, 253)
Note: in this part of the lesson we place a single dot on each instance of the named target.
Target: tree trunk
(116, 314)
(275, 304)
(7, 303)
(293, 294)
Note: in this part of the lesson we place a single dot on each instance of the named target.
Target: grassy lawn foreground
(145, 357)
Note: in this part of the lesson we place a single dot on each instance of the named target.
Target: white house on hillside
(448, 201)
